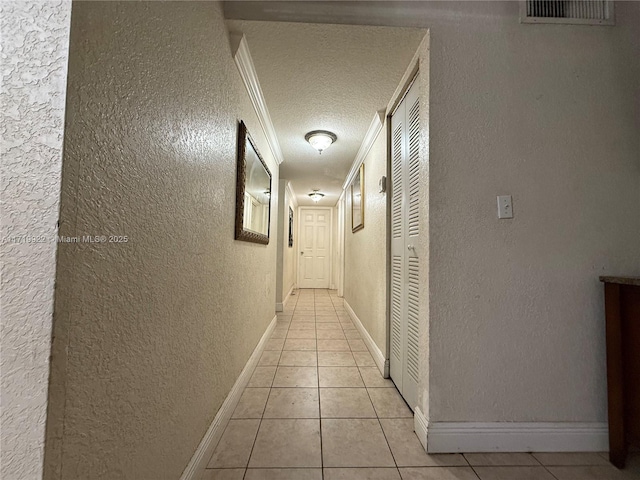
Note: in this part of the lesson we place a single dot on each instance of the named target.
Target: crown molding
(372, 133)
(244, 62)
(292, 194)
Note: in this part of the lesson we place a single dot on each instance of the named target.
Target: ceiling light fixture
(316, 196)
(320, 139)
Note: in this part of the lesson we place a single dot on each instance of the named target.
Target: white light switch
(505, 209)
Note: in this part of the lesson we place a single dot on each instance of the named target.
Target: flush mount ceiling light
(316, 196)
(320, 139)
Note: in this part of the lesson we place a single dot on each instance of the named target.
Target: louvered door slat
(414, 169)
(396, 307)
(396, 183)
(413, 318)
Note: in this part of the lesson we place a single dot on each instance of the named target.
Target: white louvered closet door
(405, 233)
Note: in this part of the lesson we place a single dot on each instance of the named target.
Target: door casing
(330, 212)
(410, 77)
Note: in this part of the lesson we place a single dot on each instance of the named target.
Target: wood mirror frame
(241, 232)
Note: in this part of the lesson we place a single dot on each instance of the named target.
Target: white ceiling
(331, 77)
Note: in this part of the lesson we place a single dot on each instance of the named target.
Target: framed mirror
(357, 201)
(253, 192)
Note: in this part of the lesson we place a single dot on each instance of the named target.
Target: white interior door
(405, 234)
(315, 247)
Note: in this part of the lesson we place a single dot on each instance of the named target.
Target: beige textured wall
(549, 114)
(286, 255)
(289, 253)
(35, 40)
(281, 242)
(365, 252)
(155, 330)
(423, 248)
(333, 284)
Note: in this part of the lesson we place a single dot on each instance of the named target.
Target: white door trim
(341, 241)
(405, 242)
(298, 244)
(410, 74)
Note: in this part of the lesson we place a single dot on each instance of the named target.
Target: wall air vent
(576, 12)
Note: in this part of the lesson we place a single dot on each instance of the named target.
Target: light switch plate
(505, 206)
(382, 184)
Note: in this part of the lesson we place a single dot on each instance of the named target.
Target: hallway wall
(365, 272)
(366, 261)
(287, 258)
(35, 39)
(151, 334)
(549, 114)
(290, 257)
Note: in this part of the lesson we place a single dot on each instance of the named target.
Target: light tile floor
(317, 408)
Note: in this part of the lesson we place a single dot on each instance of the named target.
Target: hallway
(317, 408)
(477, 171)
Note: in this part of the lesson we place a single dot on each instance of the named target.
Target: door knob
(410, 247)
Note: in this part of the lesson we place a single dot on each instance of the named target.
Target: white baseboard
(444, 437)
(203, 453)
(420, 426)
(288, 297)
(280, 306)
(376, 353)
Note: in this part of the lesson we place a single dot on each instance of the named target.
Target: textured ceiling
(331, 77)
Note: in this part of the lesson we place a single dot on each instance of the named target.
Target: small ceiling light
(320, 139)
(316, 196)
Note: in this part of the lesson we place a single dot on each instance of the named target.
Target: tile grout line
(474, 470)
(289, 325)
(315, 324)
(465, 459)
(376, 413)
(319, 393)
(246, 469)
(380, 425)
(546, 467)
(540, 464)
(550, 472)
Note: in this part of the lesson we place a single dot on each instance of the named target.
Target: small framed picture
(357, 201)
(290, 227)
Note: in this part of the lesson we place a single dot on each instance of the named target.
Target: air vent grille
(586, 12)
